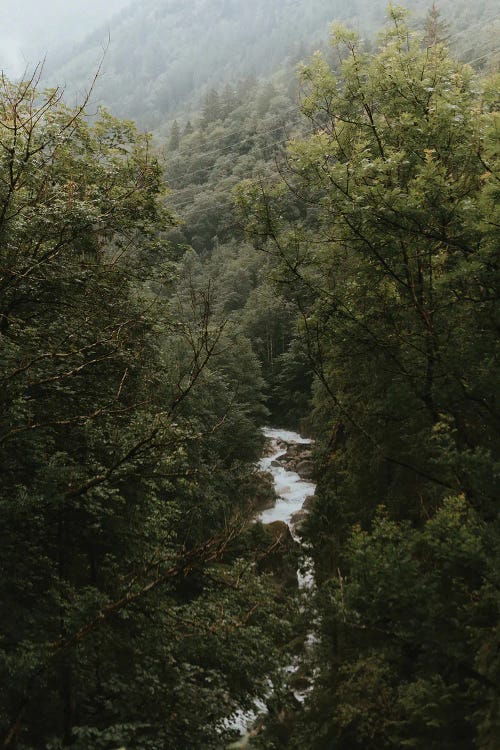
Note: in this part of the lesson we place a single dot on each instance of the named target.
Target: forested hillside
(239, 134)
(315, 249)
(163, 55)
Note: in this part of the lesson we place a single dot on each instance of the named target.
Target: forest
(309, 240)
(159, 58)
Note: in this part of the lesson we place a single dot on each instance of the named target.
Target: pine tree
(175, 137)
(436, 30)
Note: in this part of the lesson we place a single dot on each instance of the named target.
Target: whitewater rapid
(291, 493)
(291, 490)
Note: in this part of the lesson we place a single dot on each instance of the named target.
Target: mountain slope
(163, 55)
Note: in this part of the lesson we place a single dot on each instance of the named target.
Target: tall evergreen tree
(436, 30)
(175, 137)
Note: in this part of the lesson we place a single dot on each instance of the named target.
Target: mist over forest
(249, 431)
(163, 56)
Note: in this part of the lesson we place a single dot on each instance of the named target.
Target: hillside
(163, 55)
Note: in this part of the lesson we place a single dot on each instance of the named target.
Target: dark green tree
(395, 272)
(127, 618)
(211, 109)
(175, 137)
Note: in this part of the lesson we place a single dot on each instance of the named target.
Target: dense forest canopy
(127, 433)
(393, 265)
(314, 249)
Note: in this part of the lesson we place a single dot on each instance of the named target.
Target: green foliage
(127, 445)
(404, 666)
(139, 358)
(394, 270)
(175, 134)
(209, 163)
(435, 29)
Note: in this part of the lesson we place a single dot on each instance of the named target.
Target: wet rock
(298, 517)
(305, 469)
(296, 453)
(298, 458)
(309, 503)
(280, 530)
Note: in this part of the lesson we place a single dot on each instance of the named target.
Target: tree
(124, 601)
(175, 137)
(435, 29)
(211, 110)
(394, 270)
(404, 637)
(390, 270)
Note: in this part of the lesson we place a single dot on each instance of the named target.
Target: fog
(31, 30)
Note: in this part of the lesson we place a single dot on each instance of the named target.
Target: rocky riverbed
(287, 462)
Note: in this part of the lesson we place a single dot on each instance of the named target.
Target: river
(291, 493)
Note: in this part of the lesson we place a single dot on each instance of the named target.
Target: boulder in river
(305, 469)
(265, 496)
(297, 458)
(280, 531)
(298, 517)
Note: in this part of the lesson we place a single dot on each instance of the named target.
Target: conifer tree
(175, 137)
(436, 29)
